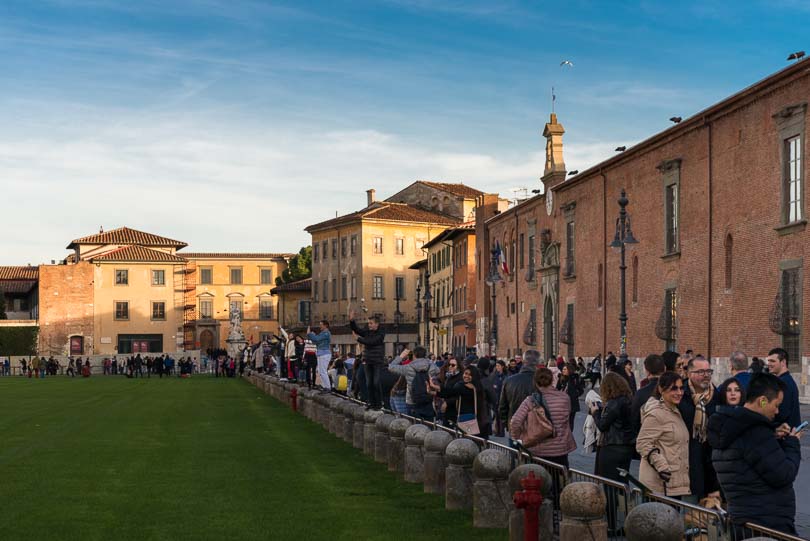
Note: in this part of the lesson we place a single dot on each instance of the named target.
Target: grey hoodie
(409, 371)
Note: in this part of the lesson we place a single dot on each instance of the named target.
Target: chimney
(371, 196)
(554, 172)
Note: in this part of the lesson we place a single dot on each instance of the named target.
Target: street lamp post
(493, 278)
(624, 236)
(427, 298)
(397, 317)
(419, 311)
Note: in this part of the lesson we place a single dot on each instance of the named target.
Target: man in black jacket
(518, 386)
(373, 340)
(757, 465)
(654, 366)
(699, 401)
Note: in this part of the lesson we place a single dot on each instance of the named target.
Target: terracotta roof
(459, 188)
(298, 285)
(19, 273)
(17, 286)
(125, 235)
(233, 255)
(387, 210)
(419, 264)
(138, 254)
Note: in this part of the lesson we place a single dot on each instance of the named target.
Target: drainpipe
(603, 300)
(708, 125)
(517, 256)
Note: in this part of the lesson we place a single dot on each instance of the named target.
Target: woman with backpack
(570, 384)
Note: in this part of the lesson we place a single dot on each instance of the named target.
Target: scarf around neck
(701, 423)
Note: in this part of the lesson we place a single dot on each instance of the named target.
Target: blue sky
(233, 125)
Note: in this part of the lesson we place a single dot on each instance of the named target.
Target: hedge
(18, 340)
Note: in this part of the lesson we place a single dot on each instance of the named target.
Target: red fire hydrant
(294, 398)
(530, 499)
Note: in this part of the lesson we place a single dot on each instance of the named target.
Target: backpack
(342, 383)
(419, 393)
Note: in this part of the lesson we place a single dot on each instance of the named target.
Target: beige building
(126, 291)
(294, 304)
(440, 282)
(362, 260)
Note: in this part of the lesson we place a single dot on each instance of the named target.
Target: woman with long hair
(569, 383)
(471, 398)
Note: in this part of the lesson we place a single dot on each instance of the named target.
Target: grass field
(109, 458)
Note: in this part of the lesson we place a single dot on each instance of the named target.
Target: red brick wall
(65, 306)
(741, 144)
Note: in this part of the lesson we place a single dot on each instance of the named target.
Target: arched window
(601, 287)
(635, 278)
(729, 259)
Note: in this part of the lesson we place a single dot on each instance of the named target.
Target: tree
(2, 305)
(299, 267)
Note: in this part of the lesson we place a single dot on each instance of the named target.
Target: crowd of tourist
(132, 366)
(734, 446)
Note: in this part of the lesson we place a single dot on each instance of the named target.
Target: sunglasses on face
(452, 365)
(676, 388)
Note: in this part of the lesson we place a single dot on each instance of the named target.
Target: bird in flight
(675, 119)
(621, 149)
(566, 63)
(798, 55)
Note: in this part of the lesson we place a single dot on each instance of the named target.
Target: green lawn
(110, 458)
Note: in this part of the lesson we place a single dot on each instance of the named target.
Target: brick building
(719, 207)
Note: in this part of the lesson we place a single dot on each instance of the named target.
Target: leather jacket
(615, 422)
(515, 390)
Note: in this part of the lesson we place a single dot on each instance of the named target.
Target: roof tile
(454, 188)
(19, 273)
(387, 210)
(233, 255)
(125, 235)
(138, 254)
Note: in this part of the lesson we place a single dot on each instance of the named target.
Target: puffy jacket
(374, 342)
(322, 341)
(702, 478)
(559, 407)
(615, 423)
(663, 444)
(515, 390)
(409, 371)
(756, 470)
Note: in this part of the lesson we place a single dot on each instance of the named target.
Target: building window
(121, 310)
(304, 311)
(399, 287)
(334, 289)
(353, 288)
(420, 247)
(601, 287)
(793, 178)
(378, 245)
(567, 332)
(206, 275)
(325, 292)
(265, 309)
(343, 243)
(325, 250)
(344, 287)
(315, 290)
(206, 308)
(236, 275)
(786, 313)
(377, 289)
(667, 326)
(334, 248)
(121, 277)
(399, 245)
(316, 250)
(158, 277)
(570, 270)
(729, 260)
(635, 278)
(158, 310)
(671, 217)
(354, 245)
(267, 276)
(522, 250)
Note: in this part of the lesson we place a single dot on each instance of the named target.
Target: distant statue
(236, 326)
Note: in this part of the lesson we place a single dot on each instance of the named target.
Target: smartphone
(802, 426)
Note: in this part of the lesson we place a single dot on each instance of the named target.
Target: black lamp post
(397, 317)
(624, 236)
(493, 278)
(419, 311)
(427, 298)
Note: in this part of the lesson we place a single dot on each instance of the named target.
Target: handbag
(468, 422)
(537, 426)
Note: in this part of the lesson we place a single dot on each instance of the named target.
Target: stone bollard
(333, 403)
(414, 457)
(546, 530)
(339, 418)
(653, 521)
(492, 500)
(396, 447)
(435, 445)
(348, 422)
(381, 437)
(359, 415)
(458, 488)
(370, 430)
(582, 506)
(301, 398)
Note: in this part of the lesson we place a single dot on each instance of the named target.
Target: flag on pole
(501, 258)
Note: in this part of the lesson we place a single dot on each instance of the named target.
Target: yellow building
(362, 260)
(127, 291)
(294, 304)
(439, 277)
(224, 282)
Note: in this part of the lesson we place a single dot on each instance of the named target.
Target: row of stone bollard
(484, 481)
